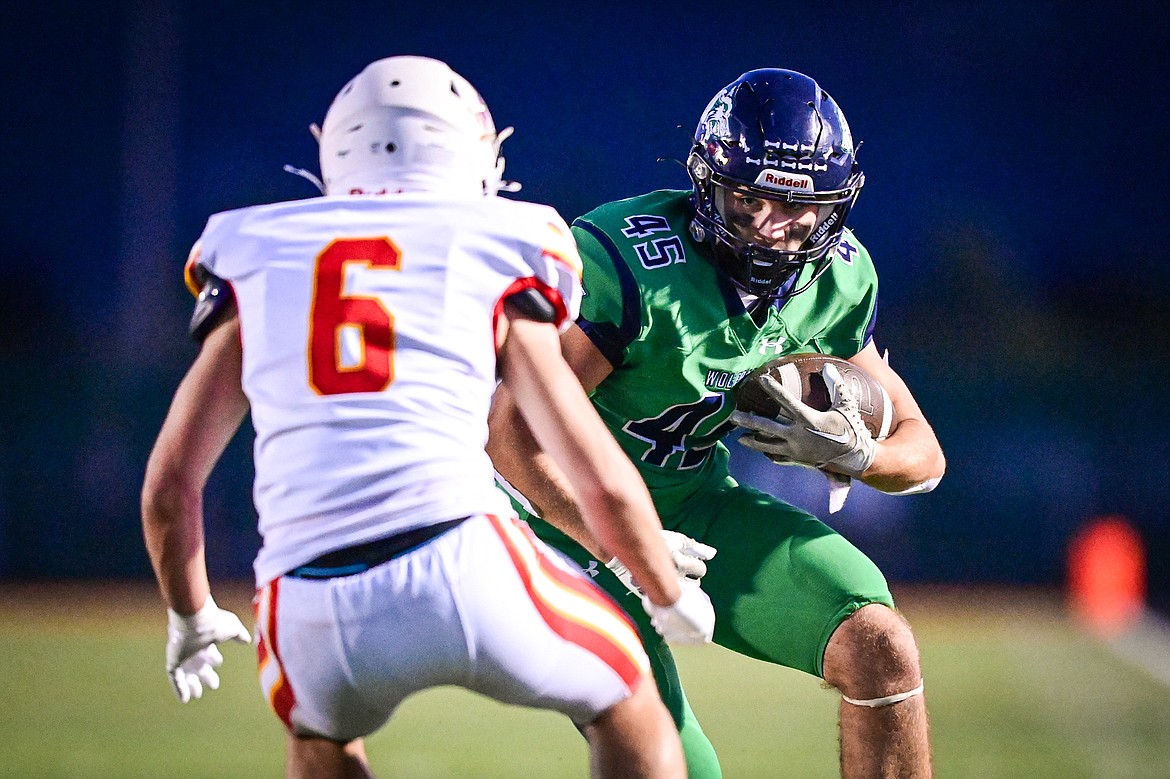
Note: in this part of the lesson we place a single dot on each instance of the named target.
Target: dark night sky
(1013, 121)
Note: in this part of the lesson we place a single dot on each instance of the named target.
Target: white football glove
(689, 620)
(192, 655)
(689, 556)
(835, 440)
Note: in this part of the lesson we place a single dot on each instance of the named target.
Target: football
(800, 374)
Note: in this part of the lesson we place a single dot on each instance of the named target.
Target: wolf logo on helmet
(774, 133)
(715, 117)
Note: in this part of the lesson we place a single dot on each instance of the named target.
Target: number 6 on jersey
(339, 321)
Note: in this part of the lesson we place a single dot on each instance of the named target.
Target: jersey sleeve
(559, 267)
(213, 294)
(201, 260)
(193, 272)
(856, 285)
(540, 256)
(610, 308)
(545, 260)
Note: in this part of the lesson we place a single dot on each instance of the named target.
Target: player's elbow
(934, 469)
(940, 467)
(167, 495)
(912, 475)
(917, 463)
(509, 440)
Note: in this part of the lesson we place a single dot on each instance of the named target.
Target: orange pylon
(1107, 575)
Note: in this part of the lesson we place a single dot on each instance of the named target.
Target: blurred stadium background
(1015, 161)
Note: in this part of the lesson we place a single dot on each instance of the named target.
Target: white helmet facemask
(406, 124)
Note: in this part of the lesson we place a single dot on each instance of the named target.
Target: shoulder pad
(211, 306)
(533, 305)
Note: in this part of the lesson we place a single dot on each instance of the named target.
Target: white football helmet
(410, 123)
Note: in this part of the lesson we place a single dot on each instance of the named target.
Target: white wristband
(176, 619)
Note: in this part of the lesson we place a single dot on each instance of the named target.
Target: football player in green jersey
(686, 293)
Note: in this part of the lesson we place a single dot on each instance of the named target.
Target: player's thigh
(338, 655)
(782, 580)
(702, 762)
(543, 634)
(661, 659)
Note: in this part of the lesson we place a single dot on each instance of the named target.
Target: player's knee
(642, 714)
(636, 738)
(872, 653)
(312, 758)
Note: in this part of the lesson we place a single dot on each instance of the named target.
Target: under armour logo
(592, 569)
(772, 344)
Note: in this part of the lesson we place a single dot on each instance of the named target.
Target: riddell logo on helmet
(774, 179)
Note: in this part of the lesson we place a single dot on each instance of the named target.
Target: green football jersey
(680, 339)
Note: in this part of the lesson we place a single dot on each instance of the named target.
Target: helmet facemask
(775, 135)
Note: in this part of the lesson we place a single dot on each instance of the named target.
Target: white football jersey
(368, 331)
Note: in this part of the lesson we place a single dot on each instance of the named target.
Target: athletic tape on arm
(889, 700)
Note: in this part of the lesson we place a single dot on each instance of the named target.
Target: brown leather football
(800, 374)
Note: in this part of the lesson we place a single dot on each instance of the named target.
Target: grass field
(1015, 690)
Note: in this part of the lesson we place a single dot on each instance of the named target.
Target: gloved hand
(689, 556)
(836, 440)
(192, 655)
(689, 620)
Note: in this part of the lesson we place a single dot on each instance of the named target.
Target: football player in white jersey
(365, 331)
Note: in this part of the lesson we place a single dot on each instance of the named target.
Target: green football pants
(781, 583)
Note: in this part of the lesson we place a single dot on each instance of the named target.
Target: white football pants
(485, 606)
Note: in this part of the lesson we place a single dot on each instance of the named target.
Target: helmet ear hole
(391, 147)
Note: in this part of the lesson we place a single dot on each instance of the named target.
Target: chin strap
(889, 700)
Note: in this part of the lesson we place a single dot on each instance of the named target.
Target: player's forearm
(612, 511)
(620, 515)
(532, 472)
(612, 500)
(909, 457)
(172, 526)
(206, 411)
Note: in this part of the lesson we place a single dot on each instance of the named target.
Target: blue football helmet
(773, 134)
